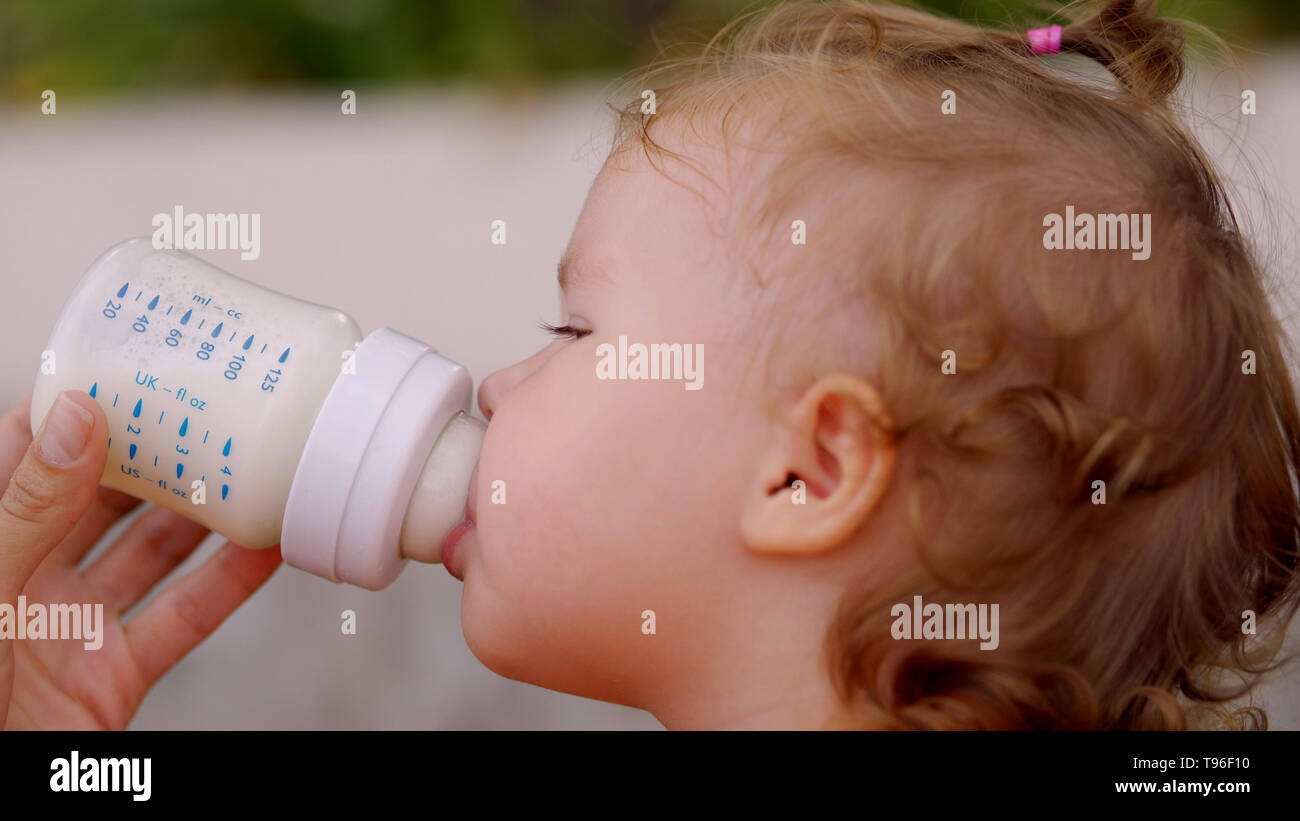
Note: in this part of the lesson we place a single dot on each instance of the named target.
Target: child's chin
(510, 652)
(488, 638)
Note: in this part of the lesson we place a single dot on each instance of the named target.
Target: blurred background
(97, 46)
(467, 111)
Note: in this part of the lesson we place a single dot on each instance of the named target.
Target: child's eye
(565, 331)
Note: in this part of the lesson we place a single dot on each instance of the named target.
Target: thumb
(52, 487)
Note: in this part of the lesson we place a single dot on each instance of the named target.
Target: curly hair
(1163, 382)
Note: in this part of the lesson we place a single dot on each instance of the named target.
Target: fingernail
(67, 427)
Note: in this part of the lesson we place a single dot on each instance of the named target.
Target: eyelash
(564, 331)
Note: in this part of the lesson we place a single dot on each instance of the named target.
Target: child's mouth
(458, 532)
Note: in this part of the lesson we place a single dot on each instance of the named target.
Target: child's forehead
(746, 206)
(635, 194)
(691, 170)
(637, 213)
(647, 228)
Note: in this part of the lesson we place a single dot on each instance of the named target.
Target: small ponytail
(1142, 50)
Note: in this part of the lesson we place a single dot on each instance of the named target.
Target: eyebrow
(565, 271)
(572, 269)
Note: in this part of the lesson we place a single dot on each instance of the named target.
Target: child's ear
(838, 442)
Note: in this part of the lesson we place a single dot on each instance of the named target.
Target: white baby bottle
(266, 418)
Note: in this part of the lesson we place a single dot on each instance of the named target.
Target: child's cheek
(528, 484)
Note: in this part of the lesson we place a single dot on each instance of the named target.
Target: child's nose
(489, 393)
(494, 389)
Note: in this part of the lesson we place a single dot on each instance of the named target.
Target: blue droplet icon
(132, 449)
(185, 320)
(136, 412)
(93, 388)
(217, 330)
(185, 425)
(284, 355)
(248, 343)
(225, 450)
(224, 490)
(179, 468)
(153, 303)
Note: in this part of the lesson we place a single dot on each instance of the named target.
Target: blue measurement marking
(110, 441)
(217, 330)
(132, 449)
(185, 425)
(185, 320)
(224, 490)
(115, 396)
(225, 451)
(233, 334)
(138, 294)
(284, 355)
(180, 467)
(93, 388)
(121, 292)
(248, 343)
(155, 461)
(160, 416)
(263, 349)
(153, 303)
(205, 436)
(169, 310)
(201, 321)
(136, 411)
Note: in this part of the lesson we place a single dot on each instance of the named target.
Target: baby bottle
(266, 418)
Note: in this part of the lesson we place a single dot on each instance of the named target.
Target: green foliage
(93, 46)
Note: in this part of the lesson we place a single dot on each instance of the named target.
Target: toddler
(988, 422)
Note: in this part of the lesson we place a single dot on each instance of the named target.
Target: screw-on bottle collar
(363, 456)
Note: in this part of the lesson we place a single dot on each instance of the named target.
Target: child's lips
(458, 532)
(449, 548)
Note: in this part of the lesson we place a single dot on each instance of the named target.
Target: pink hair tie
(1045, 41)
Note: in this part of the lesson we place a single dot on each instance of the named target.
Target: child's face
(623, 496)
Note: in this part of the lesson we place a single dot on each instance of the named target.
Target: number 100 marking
(236, 364)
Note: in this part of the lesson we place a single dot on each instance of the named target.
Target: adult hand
(52, 512)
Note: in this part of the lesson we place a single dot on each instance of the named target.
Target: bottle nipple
(438, 502)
